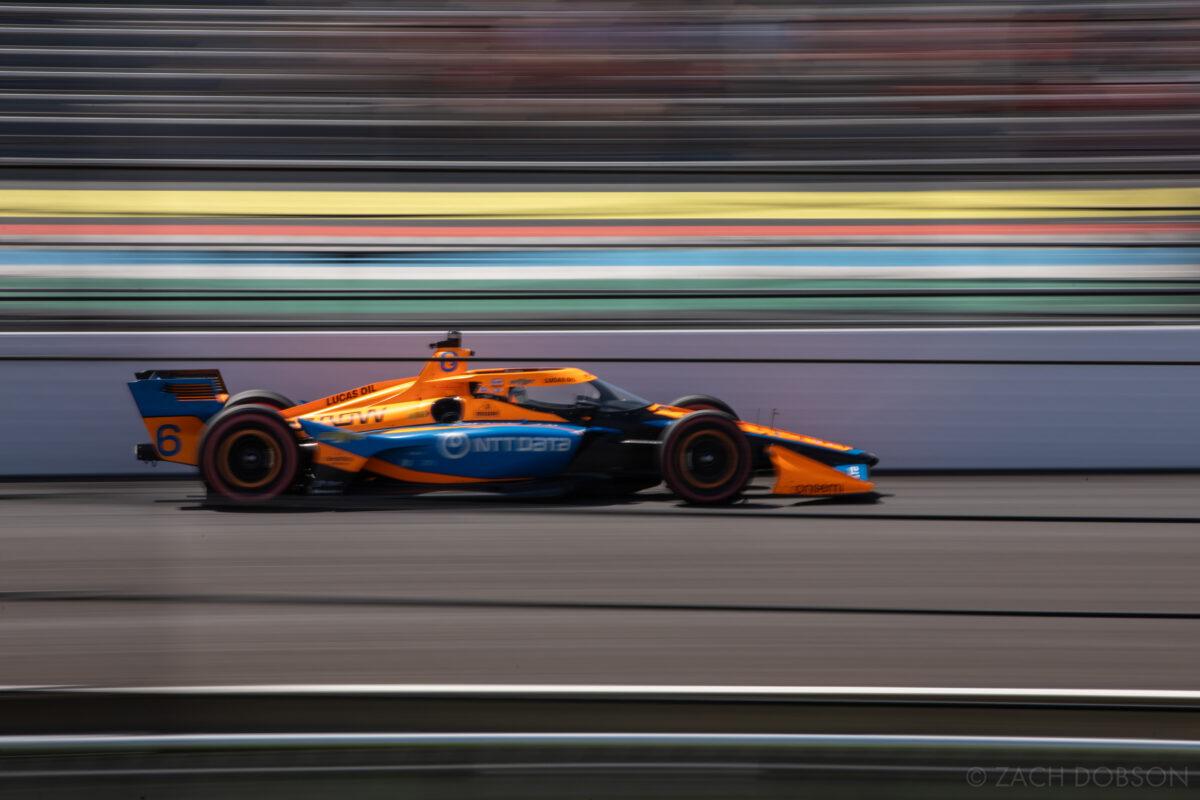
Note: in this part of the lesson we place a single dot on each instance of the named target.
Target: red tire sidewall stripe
(277, 430)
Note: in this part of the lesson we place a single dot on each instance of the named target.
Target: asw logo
(458, 445)
(361, 417)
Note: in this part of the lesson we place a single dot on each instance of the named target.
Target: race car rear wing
(174, 405)
(167, 374)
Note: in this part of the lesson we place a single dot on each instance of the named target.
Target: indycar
(515, 430)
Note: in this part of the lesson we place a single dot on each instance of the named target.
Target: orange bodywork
(338, 458)
(402, 403)
(176, 438)
(763, 430)
(796, 474)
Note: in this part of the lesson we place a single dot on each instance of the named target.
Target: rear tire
(704, 402)
(259, 397)
(248, 454)
(705, 458)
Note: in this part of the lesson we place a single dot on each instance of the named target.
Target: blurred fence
(1004, 85)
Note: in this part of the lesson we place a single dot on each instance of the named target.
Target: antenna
(453, 339)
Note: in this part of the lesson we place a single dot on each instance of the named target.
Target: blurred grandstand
(1022, 87)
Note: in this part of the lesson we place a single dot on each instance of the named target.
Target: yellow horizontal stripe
(978, 204)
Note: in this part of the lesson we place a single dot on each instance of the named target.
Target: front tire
(248, 454)
(705, 458)
(704, 402)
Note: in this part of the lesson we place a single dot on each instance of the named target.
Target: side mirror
(447, 410)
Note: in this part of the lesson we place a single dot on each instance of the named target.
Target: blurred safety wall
(1114, 398)
(1007, 85)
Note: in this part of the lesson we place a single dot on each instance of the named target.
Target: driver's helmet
(517, 395)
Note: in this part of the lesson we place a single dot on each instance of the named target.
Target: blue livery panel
(486, 451)
(856, 471)
(490, 451)
(168, 397)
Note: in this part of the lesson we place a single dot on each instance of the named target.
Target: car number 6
(166, 441)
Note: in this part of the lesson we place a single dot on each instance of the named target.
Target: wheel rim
(250, 459)
(708, 458)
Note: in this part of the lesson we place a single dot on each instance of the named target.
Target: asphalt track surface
(1054, 581)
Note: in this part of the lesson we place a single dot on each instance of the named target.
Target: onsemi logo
(457, 445)
(453, 445)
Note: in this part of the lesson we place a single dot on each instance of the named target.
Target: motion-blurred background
(1024, 87)
(401, 163)
(962, 235)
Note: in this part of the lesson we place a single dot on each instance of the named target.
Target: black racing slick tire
(259, 397)
(705, 458)
(704, 402)
(248, 454)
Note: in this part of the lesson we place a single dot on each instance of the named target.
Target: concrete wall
(1113, 411)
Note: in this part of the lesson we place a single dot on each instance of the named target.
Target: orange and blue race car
(533, 430)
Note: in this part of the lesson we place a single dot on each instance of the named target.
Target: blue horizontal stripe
(839, 257)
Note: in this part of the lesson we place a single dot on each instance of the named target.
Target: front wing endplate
(798, 475)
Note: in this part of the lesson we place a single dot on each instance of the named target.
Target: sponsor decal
(360, 416)
(449, 360)
(453, 445)
(350, 395)
(497, 381)
(818, 488)
(523, 382)
(521, 444)
(166, 441)
(417, 414)
(338, 437)
(554, 379)
(458, 445)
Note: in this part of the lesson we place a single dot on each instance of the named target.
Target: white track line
(675, 690)
(104, 741)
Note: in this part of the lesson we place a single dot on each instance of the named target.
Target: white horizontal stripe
(889, 692)
(446, 274)
(104, 741)
(542, 165)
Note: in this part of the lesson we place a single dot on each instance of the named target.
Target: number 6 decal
(166, 441)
